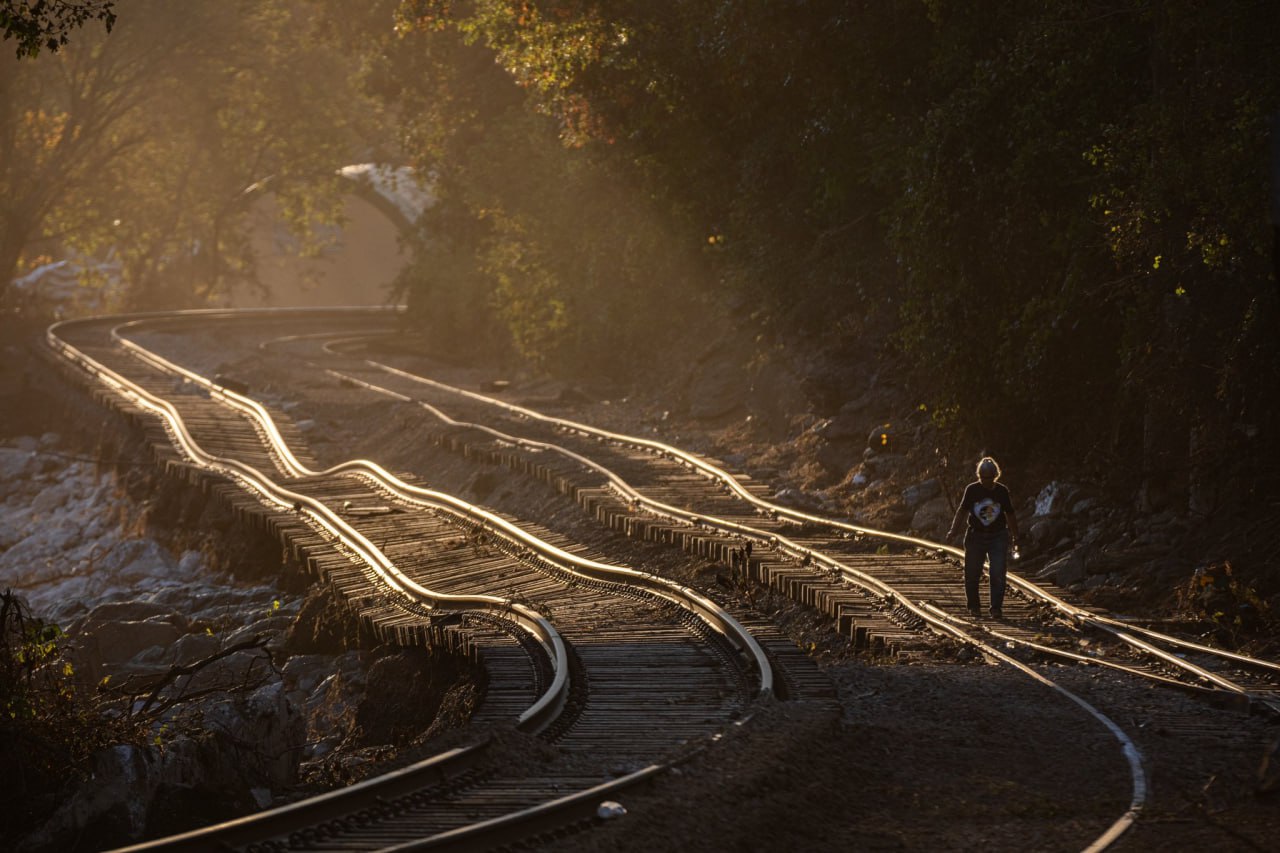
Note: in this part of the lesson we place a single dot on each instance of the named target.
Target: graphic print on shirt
(987, 511)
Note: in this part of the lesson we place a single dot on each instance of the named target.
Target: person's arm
(1012, 518)
(958, 520)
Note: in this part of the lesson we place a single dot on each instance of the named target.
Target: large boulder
(1067, 571)
(919, 493)
(933, 517)
(16, 464)
(111, 808)
(1047, 532)
(1053, 498)
(192, 648)
(126, 611)
(116, 642)
(332, 708)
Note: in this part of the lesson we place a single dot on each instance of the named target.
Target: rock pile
(256, 694)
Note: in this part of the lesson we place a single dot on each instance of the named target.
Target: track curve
(657, 491)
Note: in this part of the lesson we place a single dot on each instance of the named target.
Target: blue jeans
(978, 549)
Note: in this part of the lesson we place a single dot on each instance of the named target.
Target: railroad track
(622, 670)
(882, 589)
(885, 591)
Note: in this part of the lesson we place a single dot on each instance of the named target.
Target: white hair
(987, 466)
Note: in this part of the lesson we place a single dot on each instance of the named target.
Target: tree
(1083, 238)
(150, 141)
(1054, 207)
(48, 23)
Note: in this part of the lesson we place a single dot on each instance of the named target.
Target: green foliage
(1240, 618)
(148, 144)
(49, 726)
(1056, 206)
(533, 248)
(1016, 191)
(48, 23)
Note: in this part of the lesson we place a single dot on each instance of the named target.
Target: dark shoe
(975, 613)
(997, 613)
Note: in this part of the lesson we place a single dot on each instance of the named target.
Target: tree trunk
(12, 242)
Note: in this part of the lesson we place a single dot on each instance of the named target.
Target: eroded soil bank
(236, 682)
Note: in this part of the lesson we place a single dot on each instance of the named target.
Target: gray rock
(190, 564)
(203, 601)
(137, 557)
(331, 708)
(193, 647)
(234, 606)
(1053, 497)
(1081, 507)
(65, 601)
(917, 493)
(254, 739)
(933, 517)
(844, 427)
(245, 666)
(111, 808)
(179, 763)
(50, 499)
(303, 673)
(116, 642)
(1047, 530)
(129, 611)
(1066, 570)
(275, 626)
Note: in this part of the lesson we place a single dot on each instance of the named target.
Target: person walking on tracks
(991, 531)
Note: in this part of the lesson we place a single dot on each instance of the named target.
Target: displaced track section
(886, 591)
(882, 589)
(622, 670)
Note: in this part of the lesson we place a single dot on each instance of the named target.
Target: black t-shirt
(986, 507)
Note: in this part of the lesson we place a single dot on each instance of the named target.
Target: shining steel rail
(521, 543)
(1163, 647)
(940, 622)
(710, 612)
(988, 639)
(537, 716)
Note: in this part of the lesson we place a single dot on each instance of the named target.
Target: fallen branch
(153, 705)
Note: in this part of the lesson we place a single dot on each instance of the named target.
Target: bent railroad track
(619, 669)
(885, 591)
(882, 589)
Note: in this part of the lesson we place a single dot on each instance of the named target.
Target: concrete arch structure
(363, 257)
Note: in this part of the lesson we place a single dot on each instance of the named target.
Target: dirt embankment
(235, 681)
